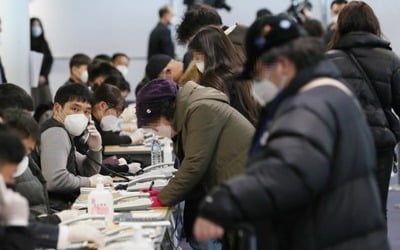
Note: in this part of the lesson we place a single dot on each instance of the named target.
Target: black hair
(11, 148)
(103, 69)
(163, 11)
(303, 52)
(13, 96)
(313, 27)
(21, 122)
(73, 92)
(41, 109)
(102, 58)
(119, 82)
(338, 2)
(355, 16)
(222, 64)
(116, 55)
(109, 94)
(263, 12)
(197, 17)
(78, 60)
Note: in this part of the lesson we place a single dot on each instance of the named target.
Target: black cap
(156, 64)
(266, 33)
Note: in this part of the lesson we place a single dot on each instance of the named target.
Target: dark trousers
(385, 165)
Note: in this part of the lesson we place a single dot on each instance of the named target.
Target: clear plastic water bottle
(156, 152)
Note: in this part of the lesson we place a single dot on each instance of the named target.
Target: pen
(151, 186)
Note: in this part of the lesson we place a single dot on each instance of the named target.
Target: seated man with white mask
(121, 62)
(78, 67)
(65, 169)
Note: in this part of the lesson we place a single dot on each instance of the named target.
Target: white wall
(14, 50)
(108, 26)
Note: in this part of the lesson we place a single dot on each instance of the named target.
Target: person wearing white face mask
(218, 61)
(41, 94)
(336, 8)
(312, 156)
(14, 212)
(121, 62)
(210, 139)
(64, 169)
(107, 106)
(78, 67)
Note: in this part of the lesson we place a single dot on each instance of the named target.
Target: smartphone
(85, 136)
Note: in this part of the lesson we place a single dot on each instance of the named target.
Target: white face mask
(164, 131)
(334, 19)
(200, 66)
(84, 76)
(264, 91)
(22, 166)
(75, 124)
(123, 69)
(36, 31)
(110, 123)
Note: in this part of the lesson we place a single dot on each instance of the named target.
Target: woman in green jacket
(211, 140)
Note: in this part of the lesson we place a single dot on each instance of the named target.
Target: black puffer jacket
(310, 184)
(383, 68)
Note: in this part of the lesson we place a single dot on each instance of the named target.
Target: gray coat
(32, 186)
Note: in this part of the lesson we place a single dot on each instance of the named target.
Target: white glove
(94, 140)
(134, 167)
(107, 180)
(122, 161)
(137, 137)
(128, 127)
(14, 209)
(77, 234)
(67, 214)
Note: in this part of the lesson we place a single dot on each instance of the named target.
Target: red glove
(156, 202)
(153, 192)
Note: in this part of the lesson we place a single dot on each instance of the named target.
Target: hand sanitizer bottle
(100, 202)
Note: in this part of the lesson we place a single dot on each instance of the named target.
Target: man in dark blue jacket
(160, 41)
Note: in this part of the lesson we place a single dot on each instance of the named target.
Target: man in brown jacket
(211, 140)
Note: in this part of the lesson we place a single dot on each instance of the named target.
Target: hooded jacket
(212, 141)
(310, 183)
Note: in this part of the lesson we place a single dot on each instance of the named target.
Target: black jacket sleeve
(292, 168)
(113, 138)
(49, 219)
(45, 235)
(16, 238)
(47, 61)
